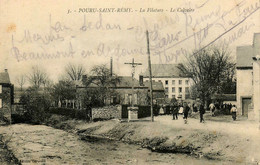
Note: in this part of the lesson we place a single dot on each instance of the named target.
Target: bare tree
(101, 76)
(209, 68)
(21, 80)
(74, 72)
(37, 77)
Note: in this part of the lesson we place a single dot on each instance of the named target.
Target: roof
(156, 85)
(126, 81)
(246, 53)
(4, 78)
(164, 70)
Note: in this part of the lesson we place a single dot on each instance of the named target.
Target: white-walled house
(248, 79)
(174, 82)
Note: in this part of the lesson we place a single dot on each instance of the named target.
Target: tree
(36, 105)
(64, 90)
(37, 77)
(21, 80)
(209, 68)
(74, 72)
(101, 77)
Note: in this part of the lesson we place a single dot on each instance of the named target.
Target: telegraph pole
(150, 74)
(133, 72)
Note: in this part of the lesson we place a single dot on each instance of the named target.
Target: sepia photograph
(116, 82)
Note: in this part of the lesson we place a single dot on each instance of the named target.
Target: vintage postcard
(130, 82)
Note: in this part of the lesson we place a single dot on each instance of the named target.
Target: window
(166, 89)
(186, 89)
(173, 89)
(166, 96)
(180, 82)
(0, 103)
(0, 88)
(180, 90)
(166, 82)
(187, 82)
(173, 96)
(159, 80)
(173, 82)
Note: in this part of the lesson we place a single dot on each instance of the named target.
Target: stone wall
(107, 112)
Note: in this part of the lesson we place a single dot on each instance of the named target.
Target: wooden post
(133, 64)
(150, 75)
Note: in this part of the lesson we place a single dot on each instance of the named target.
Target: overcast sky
(53, 34)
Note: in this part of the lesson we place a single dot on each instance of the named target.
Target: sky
(52, 34)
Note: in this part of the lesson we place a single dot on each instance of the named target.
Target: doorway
(245, 106)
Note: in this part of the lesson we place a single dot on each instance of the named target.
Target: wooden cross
(133, 66)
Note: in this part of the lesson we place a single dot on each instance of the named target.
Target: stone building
(248, 79)
(176, 85)
(127, 92)
(6, 97)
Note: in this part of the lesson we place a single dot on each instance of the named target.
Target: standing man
(234, 112)
(186, 110)
(202, 111)
(175, 111)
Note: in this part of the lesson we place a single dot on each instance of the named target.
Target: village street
(45, 145)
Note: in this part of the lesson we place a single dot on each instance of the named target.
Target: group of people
(229, 107)
(185, 108)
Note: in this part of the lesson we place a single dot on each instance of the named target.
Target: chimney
(141, 80)
(111, 66)
(6, 70)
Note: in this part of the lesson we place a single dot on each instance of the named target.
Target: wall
(244, 86)
(5, 111)
(141, 95)
(176, 85)
(256, 89)
(107, 112)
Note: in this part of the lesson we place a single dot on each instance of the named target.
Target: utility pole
(150, 74)
(133, 72)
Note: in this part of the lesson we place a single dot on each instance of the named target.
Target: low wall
(107, 112)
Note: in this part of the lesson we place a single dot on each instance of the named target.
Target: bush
(36, 105)
(72, 113)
